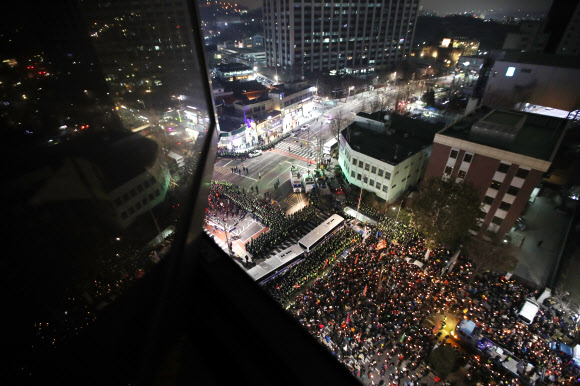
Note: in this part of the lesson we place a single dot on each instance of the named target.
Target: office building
(385, 154)
(338, 36)
(541, 83)
(503, 153)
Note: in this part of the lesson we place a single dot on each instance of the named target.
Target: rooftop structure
(526, 134)
(520, 80)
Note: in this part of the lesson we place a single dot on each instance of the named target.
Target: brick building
(503, 153)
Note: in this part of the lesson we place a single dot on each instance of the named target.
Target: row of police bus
(282, 261)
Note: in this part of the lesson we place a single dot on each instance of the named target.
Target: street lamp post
(359, 198)
(397, 216)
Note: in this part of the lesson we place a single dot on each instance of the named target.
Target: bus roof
(320, 231)
(331, 142)
(273, 263)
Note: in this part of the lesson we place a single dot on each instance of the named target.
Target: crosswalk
(222, 169)
(294, 148)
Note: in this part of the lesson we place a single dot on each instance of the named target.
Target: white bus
(321, 232)
(308, 182)
(276, 264)
(330, 146)
(295, 180)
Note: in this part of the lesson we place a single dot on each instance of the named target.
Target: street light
(399, 211)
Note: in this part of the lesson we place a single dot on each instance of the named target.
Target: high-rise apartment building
(338, 35)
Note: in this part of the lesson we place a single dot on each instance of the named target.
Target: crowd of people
(284, 286)
(243, 153)
(279, 231)
(352, 201)
(374, 309)
(266, 211)
(371, 309)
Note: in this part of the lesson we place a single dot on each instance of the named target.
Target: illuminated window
(510, 71)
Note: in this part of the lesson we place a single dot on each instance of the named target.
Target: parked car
(255, 153)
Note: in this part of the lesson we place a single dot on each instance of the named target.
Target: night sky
(456, 5)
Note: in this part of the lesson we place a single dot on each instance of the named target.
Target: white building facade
(388, 181)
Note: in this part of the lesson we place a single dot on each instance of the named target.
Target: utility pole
(359, 198)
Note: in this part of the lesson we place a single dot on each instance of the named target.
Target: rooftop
(234, 67)
(518, 132)
(229, 123)
(290, 88)
(405, 137)
(542, 59)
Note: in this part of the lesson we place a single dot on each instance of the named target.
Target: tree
(429, 98)
(339, 121)
(490, 255)
(444, 211)
(443, 360)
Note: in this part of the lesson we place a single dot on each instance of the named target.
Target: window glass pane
(505, 206)
(488, 200)
(522, 173)
(453, 154)
(513, 190)
(468, 157)
(107, 117)
(503, 168)
(495, 184)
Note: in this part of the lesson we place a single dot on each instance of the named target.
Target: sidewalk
(538, 246)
